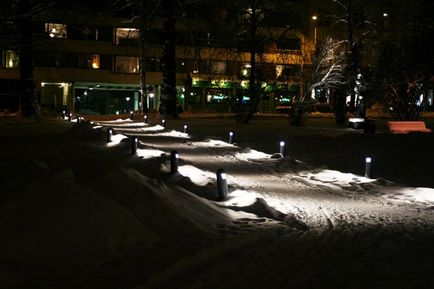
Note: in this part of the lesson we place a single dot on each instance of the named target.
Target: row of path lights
(368, 160)
(222, 185)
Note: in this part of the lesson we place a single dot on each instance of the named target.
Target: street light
(314, 19)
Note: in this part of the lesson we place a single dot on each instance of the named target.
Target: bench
(402, 127)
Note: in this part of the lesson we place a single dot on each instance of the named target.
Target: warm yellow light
(314, 17)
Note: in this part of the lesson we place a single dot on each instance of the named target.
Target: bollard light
(231, 137)
(70, 117)
(174, 162)
(222, 184)
(145, 118)
(131, 115)
(63, 114)
(368, 167)
(282, 148)
(109, 134)
(185, 128)
(163, 123)
(134, 144)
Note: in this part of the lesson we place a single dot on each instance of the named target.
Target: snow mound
(56, 227)
(168, 211)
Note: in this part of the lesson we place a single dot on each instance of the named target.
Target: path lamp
(164, 123)
(231, 137)
(222, 184)
(70, 117)
(282, 148)
(185, 128)
(109, 134)
(131, 114)
(145, 118)
(368, 167)
(134, 145)
(174, 162)
(63, 114)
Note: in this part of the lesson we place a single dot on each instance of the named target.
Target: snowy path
(318, 197)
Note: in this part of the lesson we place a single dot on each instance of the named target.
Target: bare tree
(325, 74)
(354, 20)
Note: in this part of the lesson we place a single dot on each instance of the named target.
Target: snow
(78, 212)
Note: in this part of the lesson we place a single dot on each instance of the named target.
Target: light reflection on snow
(116, 139)
(148, 153)
(241, 198)
(197, 176)
(97, 126)
(424, 195)
(213, 143)
(338, 178)
(173, 133)
(252, 155)
(140, 129)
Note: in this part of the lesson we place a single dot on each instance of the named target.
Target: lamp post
(314, 19)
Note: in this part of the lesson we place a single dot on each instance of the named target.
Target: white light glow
(368, 160)
(197, 176)
(116, 139)
(282, 143)
(356, 119)
(252, 155)
(149, 153)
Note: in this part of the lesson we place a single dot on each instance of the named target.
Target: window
(218, 67)
(126, 64)
(56, 30)
(89, 61)
(126, 36)
(10, 59)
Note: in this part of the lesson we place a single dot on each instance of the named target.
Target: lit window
(126, 36)
(126, 64)
(10, 59)
(90, 61)
(56, 30)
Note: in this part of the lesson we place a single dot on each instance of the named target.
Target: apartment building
(90, 64)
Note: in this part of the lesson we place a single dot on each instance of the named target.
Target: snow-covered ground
(77, 212)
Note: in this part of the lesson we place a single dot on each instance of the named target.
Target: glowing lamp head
(282, 143)
(223, 176)
(185, 126)
(368, 160)
(231, 133)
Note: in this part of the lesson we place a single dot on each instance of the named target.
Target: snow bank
(55, 227)
(168, 211)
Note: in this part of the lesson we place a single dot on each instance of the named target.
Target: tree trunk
(28, 98)
(168, 85)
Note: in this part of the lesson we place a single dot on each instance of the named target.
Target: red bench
(407, 126)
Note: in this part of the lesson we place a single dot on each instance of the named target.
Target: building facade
(91, 64)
